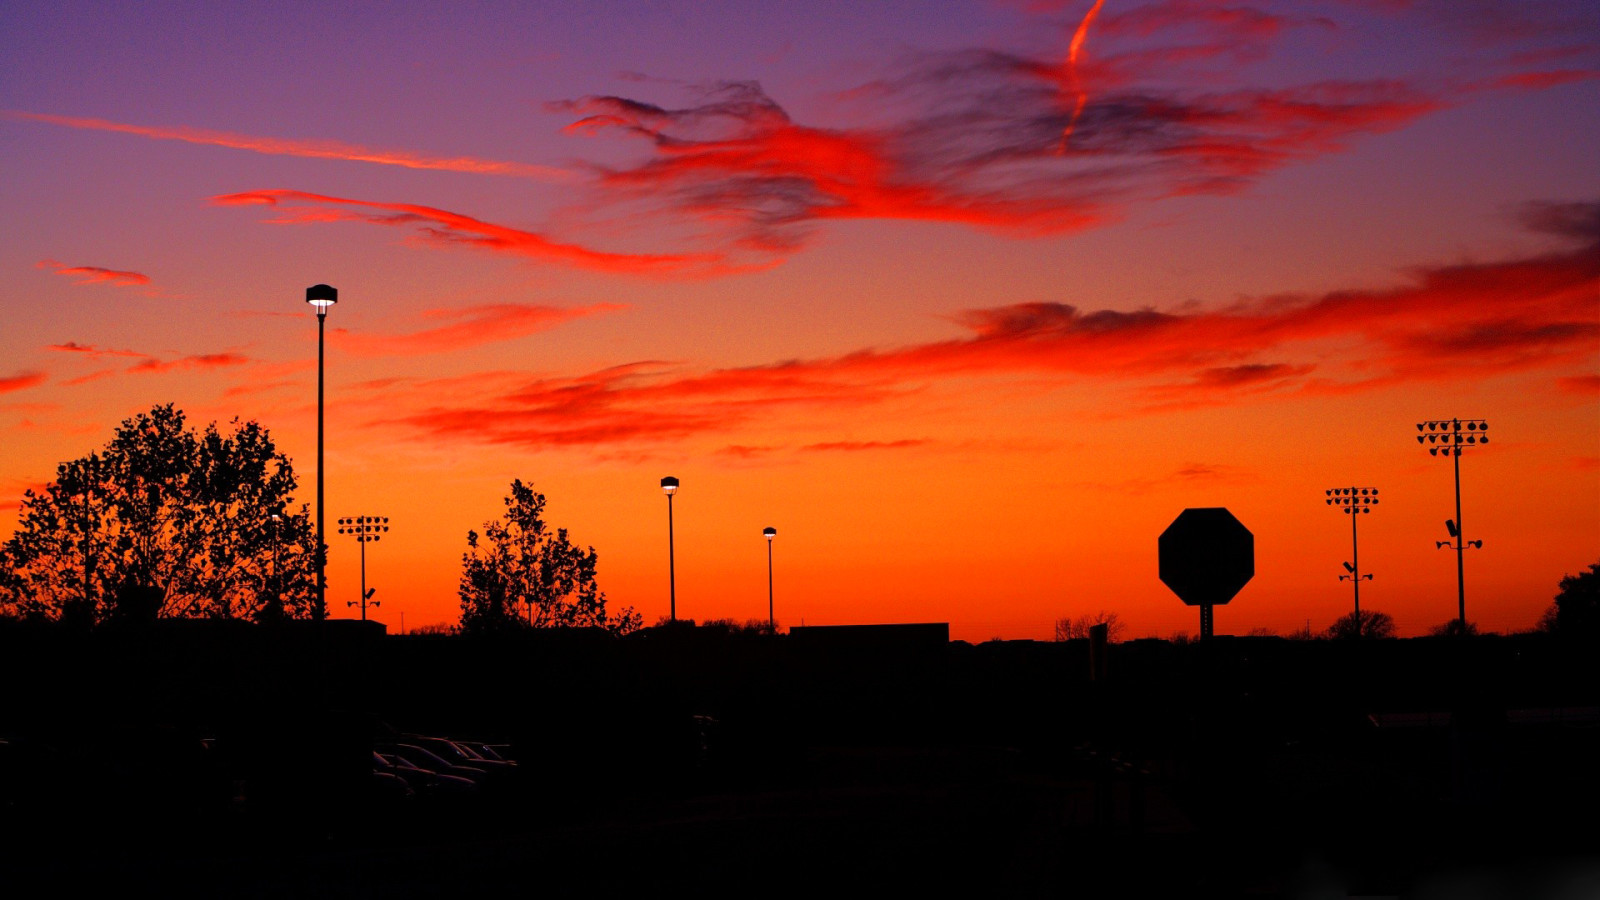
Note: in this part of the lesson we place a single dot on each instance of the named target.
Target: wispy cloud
(92, 352)
(21, 381)
(469, 327)
(95, 274)
(1537, 312)
(999, 140)
(148, 364)
(316, 149)
(441, 227)
(186, 363)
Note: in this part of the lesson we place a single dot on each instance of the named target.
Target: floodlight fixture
(366, 530)
(1457, 435)
(1354, 502)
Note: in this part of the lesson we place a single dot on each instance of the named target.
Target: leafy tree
(1372, 624)
(1578, 604)
(163, 521)
(1069, 629)
(520, 574)
(1454, 628)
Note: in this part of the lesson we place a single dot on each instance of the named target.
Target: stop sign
(1207, 556)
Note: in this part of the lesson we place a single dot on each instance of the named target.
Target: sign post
(1206, 557)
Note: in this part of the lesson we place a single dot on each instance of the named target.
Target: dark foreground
(221, 763)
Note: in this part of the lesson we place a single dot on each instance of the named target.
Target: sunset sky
(967, 300)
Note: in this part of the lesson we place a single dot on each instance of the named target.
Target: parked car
(423, 758)
(460, 754)
(422, 781)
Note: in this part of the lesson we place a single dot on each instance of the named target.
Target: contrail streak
(313, 149)
(1073, 51)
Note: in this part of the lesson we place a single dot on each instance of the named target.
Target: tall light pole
(365, 529)
(321, 296)
(670, 486)
(1449, 437)
(1354, 501)
(769, 533)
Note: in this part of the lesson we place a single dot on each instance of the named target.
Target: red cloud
(1537, 312)
(92, 351)
(314, 149)
(199, 361)
(1581, 384)
(21, 381)
(998, 140)
(470, 327)
(453, 229)
(96, 274)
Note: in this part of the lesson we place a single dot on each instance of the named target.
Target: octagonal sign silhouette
(1207, 556)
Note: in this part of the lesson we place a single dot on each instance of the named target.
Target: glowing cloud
(1539, 312)
(198, 361)
(1081, 96)
(21, 381)
(470, 327)
(445, 228)
(313, 149)
(95, 274)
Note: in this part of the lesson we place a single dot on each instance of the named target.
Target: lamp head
(669, 484)
(322, 296)
(769, 532)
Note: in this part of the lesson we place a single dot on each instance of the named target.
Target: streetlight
(769, 533)
(1449, 437)
(670, 486)
(365, 529)
(321, 296)
(1355, 501)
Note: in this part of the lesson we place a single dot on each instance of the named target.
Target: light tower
(365, 529)
(1447, 438)
(1355, 501)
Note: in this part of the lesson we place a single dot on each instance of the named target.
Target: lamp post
(321, 296)
(1355, 501)
(365, 529)
(670, 486)
(1449, 437)
(769, 533)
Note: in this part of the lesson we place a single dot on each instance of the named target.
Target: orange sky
(967, 308)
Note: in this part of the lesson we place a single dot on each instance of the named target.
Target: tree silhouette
(163, 521)
(1578, 604)
(521, 575)
(1454, 629)
(1069, 629)
(1372, 624)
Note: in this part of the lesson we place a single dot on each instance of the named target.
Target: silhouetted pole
(277, 542)
(1455, 435)
(670, 486)
(321, 296)
(366, 529)
(1354, 501)
(769, 533)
